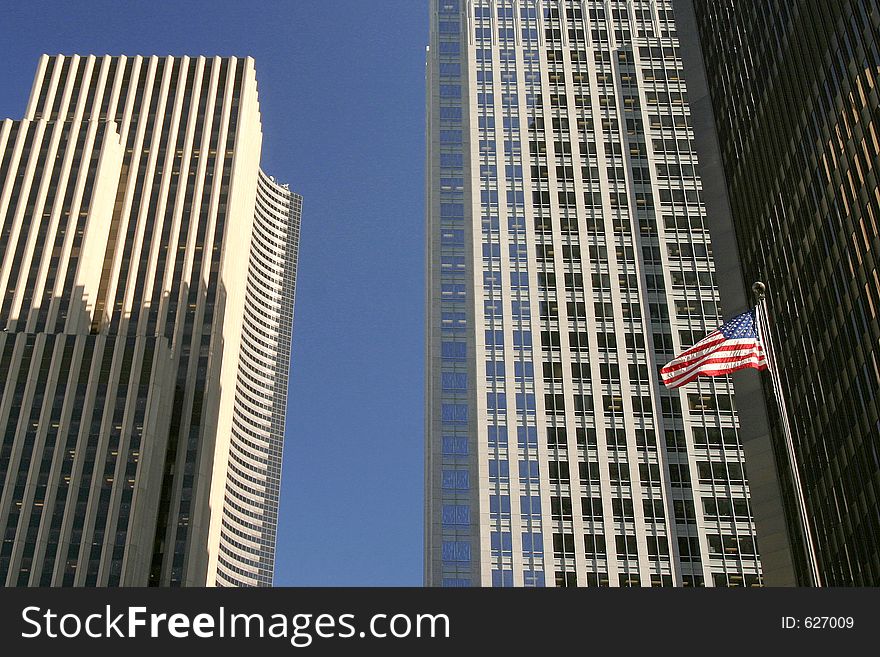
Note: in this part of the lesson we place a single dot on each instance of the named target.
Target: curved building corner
(246, 552)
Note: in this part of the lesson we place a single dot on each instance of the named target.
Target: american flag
(732, 347)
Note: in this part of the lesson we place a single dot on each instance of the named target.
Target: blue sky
(342, 97)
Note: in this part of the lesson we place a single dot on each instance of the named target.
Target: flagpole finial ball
(759, 289)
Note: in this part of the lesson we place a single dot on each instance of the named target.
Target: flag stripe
(691, 354)
(711, 370)
(706, 343)
(760, 365)
(733, 346)
(729, 349)
(728, 362)
(729, 354)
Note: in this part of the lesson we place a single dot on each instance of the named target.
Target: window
(530, 506)
(560, 508)
(626, 547)
(622, 509)
(566, 579)
(563, 545)
(591, 508)
(653, 510)
(588, 472)
(594, 545)
(658, 547)
(558, 472)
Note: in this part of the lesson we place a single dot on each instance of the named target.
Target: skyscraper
(567, 259)
(793, 89)
(147, 268)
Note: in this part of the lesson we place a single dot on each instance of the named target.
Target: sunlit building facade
(568, 258)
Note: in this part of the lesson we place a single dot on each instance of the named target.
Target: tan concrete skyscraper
(147, 270)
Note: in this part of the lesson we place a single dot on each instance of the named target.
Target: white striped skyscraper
(567, 259)
(147, 271)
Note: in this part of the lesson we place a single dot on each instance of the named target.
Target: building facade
(568, 259)
(794, 95)
(147, 268)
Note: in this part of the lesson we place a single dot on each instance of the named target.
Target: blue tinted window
(453, 321)
(453, 290)
(520, 309)
(530, 505)
(532, 544)
(495, 338)
(494, 369)
(451, 210)
(453, 350)
(533, 578)
(489, 196)
(525, 401)
(456, 514)
(528, 470)
(451, 160)
(456, 551)
(523, 370)
(493, 308)
(491, 251)
(501, 542)
(490, 223)
(454, 412)
(502, 578)
(527, 437)
(453, 380)
(456, 582)
(450, 113)
(522, 339)
(497, 436)
(499, 469)
(496, 401)
(451, 183)
(452, 237)
(499, 504)
(450, 136)
(455, 445)
(455, 480)
(519, 279)
(452, 262)
(518, 252)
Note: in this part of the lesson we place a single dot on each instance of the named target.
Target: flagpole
(766, 338)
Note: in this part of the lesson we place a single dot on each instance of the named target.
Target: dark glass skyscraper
(794, 92)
